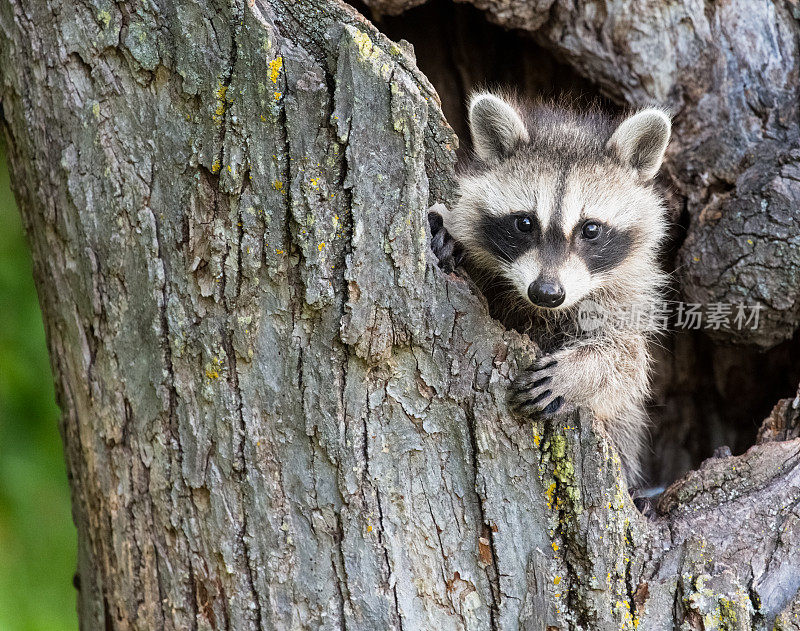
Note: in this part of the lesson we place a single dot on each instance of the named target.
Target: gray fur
(641, 140)
(561, 169)
(497, 127)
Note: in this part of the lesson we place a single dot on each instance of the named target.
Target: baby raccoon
(559, 216)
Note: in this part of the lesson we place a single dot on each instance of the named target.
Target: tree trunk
(277, 412)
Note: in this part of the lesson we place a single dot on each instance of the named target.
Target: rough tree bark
(277, 412)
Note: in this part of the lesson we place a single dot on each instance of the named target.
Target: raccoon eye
(523, 224)
(591, 230)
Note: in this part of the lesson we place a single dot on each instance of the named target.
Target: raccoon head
(560, 204)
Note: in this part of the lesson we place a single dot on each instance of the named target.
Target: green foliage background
(37, 537)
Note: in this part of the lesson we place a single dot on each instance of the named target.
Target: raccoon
(557, 216)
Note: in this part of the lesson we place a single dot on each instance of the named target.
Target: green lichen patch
(719, 601)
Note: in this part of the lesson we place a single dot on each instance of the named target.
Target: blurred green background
(37, 537)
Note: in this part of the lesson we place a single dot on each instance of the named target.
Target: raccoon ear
(496, 126)
(640, 141)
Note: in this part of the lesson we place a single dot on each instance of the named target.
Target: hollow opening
(706, 394)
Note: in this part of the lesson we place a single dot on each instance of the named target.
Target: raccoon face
(560, 204)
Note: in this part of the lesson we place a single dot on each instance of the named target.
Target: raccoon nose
(546, 293)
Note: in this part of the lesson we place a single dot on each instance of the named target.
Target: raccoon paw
(536, 391)
(447, 250)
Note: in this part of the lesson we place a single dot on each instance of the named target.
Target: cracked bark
(277, 412)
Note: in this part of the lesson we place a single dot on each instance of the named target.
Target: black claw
(435, 222)
(542, 396)
(550, 364)
(437, 241)
(554, 405)
(448, 251)
(541, 381)
(645, 506)
(445, 253)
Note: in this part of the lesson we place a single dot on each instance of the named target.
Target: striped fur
(560, 199)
